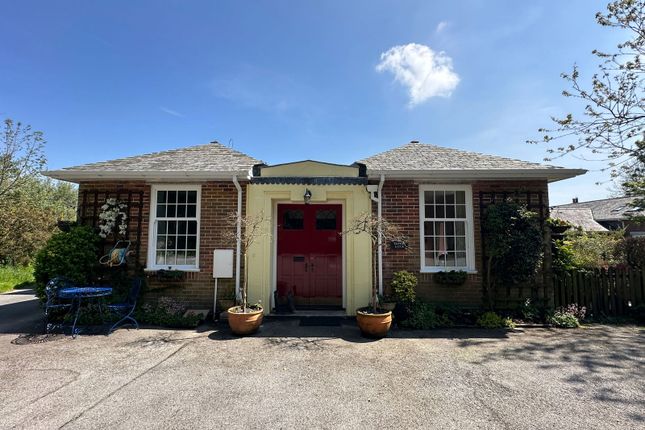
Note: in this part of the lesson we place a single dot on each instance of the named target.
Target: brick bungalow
(180, 204)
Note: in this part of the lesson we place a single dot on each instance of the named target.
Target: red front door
(309, 257)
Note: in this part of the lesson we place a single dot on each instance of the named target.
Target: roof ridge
(594, 201)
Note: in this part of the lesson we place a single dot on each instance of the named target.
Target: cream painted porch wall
(263, 198)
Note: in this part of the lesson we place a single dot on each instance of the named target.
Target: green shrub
(592, 250)
(423, 316)
(14, 277)
(404, 286)
(72, 254)
(167, 312)
(528, 311)
(564, 320)
(492, 320)
(638, 313)
(631, 250)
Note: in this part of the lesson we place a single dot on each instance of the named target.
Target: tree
(612, 123)
(380, 231)
(21, 156)
(251, 229)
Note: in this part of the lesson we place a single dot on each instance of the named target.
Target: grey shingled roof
(615, 209)
(421, 157)
(577, 217)
(210, 159)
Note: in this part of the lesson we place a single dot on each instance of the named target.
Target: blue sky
(291, 80)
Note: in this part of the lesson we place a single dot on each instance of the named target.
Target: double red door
(309, 254)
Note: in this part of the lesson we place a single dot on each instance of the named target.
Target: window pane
(181, 227)
(440, 244)
(181, 211)
(161, 197)
(191, 211)
(172, 196)
(428, 227)
(450, 243)
(440, 228)
(170, 258)
(430, 259)
(161, 259)
(190, 258)
(181, 258)
(450, 259)
(192, 197)
(293, 220)
(192, 227)
(461, 211)
(428, 196)
(171, 211)
(450, 211)
(181, 197)
(429, 243)
(461, 259)
(161, 242)
(171, 242)
(440, 213)
(161, 227)
(325, 220)
(438, 197)
(181, 242)
(161, 211)
(460, 243)
(460, 197)
(172, 227)
(191, 242)
(429, 211)
(450, 197)
(450, 228)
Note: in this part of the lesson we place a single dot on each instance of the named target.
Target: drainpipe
(379, 201)
(380, 238)
(238, 245)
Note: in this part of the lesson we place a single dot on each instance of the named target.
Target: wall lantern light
(307, 195)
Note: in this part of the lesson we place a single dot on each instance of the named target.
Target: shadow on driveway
(20, 313)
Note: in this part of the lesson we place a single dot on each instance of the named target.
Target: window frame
(470, 235)
(152, 226)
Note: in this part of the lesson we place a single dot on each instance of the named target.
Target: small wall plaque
(398, 244)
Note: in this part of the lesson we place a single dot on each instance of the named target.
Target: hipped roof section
(202, 162)
(214, 161)
(424, 161)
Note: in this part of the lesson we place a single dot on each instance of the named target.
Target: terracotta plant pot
(374, 325)
(243, 324)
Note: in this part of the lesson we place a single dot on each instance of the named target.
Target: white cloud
(423, 71)
(441, 26)
(171, 112)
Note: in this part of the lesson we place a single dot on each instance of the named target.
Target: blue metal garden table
(79, 294)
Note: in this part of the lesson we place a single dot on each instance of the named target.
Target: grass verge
(12, 277)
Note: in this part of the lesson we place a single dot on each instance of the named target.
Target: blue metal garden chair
(126, 309)
(53, 303)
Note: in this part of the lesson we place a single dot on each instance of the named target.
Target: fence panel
(611, 292)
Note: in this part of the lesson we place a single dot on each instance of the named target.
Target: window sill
(170, 268)
(447, 269)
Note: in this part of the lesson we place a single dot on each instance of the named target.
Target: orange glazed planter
(242, 324)
(374, 325)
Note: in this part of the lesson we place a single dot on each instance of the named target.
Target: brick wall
(401, 207)
(219, 200)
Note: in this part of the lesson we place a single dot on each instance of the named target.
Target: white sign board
(222, 263)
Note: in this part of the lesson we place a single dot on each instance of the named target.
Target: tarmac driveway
(289, 376)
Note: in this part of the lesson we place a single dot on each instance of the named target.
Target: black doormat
(320, 321)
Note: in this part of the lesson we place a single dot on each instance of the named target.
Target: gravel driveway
(327, 377)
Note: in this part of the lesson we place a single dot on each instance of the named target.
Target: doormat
(320, 321)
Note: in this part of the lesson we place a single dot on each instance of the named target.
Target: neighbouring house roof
(615, 209)
(203, 162)
(577, 217)
(430, 161)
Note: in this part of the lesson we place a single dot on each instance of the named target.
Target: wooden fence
(609, 292)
